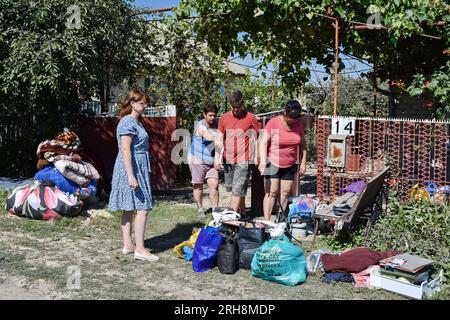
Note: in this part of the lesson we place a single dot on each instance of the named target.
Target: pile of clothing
(65, 180)
(351, 265)
(60, 163)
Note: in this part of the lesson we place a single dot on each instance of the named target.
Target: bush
(345, 239)
(419, 228)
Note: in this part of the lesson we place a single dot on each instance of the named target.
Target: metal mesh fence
(415, 150)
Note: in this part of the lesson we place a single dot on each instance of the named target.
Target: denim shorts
(237, 177)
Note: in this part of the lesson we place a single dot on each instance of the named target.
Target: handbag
(205, 249)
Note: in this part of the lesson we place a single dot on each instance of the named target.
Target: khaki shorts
(202, 172)
(237, 177)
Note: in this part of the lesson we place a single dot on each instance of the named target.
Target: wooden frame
(357, 202)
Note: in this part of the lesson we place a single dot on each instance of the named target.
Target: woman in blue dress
(131, 184)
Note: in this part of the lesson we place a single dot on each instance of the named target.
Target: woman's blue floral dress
(122, 197)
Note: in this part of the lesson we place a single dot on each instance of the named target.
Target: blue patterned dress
(122, 197)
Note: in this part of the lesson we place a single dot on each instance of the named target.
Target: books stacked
(406, 267)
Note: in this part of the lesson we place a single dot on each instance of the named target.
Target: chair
(357, 204)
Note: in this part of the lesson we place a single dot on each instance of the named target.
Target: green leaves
(48, 69)
(299, 35)
(341, 11)
(418, 228)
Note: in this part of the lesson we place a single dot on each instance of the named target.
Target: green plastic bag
(280, 261)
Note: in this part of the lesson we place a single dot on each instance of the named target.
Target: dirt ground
(80, 258)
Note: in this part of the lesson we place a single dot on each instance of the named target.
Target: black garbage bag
(228, 256)
(250, 239)
(247, 249)
(253, 234)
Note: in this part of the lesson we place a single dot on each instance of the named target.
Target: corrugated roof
(234, 68)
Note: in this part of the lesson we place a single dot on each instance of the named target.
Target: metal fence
(93, 108)
(416, 151)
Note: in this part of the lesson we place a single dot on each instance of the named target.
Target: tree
(356, 98)
(183, 70)
(407, 40)
(262, 94)
(55, 54)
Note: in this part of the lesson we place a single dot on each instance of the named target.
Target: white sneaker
(150, 257)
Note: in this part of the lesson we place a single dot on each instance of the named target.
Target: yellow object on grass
(178, 250)
(419, 193)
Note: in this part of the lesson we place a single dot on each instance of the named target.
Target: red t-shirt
(283, 143)
(236, 136)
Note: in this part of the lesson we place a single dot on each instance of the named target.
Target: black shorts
(273, 172)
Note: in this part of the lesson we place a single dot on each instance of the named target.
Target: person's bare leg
(126, 222)
(286, 187)
(235, 203)
(272, 190)
(213, 185)
(198, 194)
(141, 253)
(139, 226)
(266, 200)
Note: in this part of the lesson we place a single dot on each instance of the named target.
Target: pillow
(72, 168)
(37, 201)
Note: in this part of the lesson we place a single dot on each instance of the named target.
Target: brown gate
(98, 138)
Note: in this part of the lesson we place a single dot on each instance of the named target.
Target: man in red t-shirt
(239, 129)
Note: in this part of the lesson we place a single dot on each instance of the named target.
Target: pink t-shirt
(283, 143)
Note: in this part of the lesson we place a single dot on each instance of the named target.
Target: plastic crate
(425, 290)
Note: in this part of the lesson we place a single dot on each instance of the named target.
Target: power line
(141, 10)
(355, 23)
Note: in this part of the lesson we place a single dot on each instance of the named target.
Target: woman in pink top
(283, 135)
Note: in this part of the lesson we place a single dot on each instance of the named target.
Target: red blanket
(354, 260)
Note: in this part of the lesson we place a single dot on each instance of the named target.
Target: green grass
(16, 264)
(106, 274)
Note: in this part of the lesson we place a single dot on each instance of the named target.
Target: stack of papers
(406, 262)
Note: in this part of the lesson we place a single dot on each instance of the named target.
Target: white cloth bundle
(79, 172)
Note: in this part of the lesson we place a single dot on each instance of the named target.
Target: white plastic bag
(225, 215)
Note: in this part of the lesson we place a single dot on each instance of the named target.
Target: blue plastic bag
(302, 206)
(52, 174)
(280, 261)
(187, 253)
(431, 187)
(205, 249)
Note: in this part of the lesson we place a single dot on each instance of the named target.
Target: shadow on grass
(180, 233)
(179, 195)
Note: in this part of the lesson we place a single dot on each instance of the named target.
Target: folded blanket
(53, 157)
(42, 163)
(71, 169)
(65, 143)
(354, 260)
